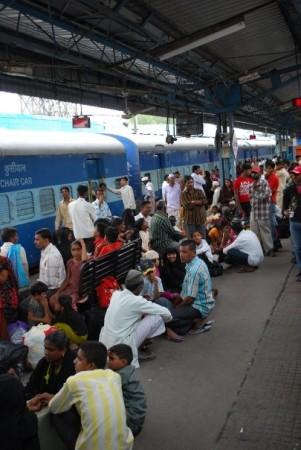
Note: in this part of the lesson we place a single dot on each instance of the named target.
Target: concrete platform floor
(194, 388)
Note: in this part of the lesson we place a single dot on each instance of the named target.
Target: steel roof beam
(76, 28)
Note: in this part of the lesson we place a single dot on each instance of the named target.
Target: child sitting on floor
(202, 247)
(120, 357)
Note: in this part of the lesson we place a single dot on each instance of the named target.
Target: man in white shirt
(245, 251)
(164, 184)
(172, 197)
(102, 209)
(126, 192)
(149, 192)
(52, 269)
(131, 319)
(62, 218)
(83, 216)
(198, 179)
(145, 211)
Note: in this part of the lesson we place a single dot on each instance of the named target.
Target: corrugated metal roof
(118, 38)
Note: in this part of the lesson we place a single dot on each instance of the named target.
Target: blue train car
(33, 167)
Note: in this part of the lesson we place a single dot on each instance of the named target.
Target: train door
(94, 172)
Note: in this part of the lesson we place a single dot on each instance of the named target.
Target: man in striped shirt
(97, 396)
(260, 198)
(193, 202)
(162, 232)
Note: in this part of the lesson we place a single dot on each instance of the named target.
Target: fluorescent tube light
(203, 40)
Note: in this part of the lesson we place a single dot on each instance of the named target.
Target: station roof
(158, 56)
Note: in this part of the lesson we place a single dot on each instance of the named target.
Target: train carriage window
(24, 205)
(47, 202)
(4, 210)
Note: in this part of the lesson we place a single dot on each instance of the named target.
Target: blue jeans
(295, 229)
(273, 221)
(236, 258)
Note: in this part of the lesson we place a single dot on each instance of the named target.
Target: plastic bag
(34, 340)
(16, 331)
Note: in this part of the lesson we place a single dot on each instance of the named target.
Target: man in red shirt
(273, 181)
(241, 187)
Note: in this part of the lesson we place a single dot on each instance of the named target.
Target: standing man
(126, 192)
(162, 232)
(164, 184)
(273, 181)
(283, 177)
(145, 212)
(62, 218)
(101, 207)
(83, 216)
(260, 197)
(193, 202)
(52, 269)
(241, 187)
(149, 192)
(172, 197)
(198, 179)
(292, 209)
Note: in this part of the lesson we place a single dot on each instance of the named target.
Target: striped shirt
(260, 198)
(161, 231)
(97, 396)
(193, 214)
(197, 284)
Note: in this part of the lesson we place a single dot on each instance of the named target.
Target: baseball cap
(256, 169)
(147, 266)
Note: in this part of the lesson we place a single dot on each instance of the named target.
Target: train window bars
(4, 209)
(25, 205)
(47, 202)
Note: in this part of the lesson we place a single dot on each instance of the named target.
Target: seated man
(130, 318)
(245, 251)
(38, 309)
(97, 396)
(51, 371)
(197, 299)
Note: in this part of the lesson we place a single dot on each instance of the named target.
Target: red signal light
(297, 102)
(81, 122)
(252, 136)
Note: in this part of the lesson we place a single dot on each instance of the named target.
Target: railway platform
(239, 385)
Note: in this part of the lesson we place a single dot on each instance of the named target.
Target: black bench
(116, 264)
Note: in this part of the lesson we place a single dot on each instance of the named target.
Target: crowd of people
(196, 229)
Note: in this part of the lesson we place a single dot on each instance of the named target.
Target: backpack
(215, 269)
(105, 290)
